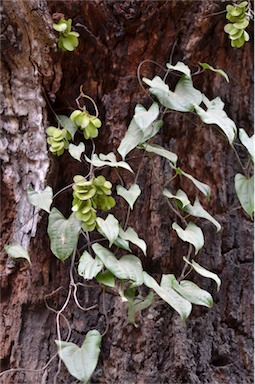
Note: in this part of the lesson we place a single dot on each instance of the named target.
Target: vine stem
(239, 160)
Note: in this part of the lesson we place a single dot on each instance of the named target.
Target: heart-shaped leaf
(216, 115)
(108, 160)
(128, 267)
(180, 67)
(158, 150)
(81, 362)
(182, 99)
(131, 235)
(191, 292)
(204, 188)
(107, 278)
(109, 228)
(89, 267)
(169, 295)
(16, 251)
(42, 199)
(191, 234)
(76, 150)
(180, 197)
(130, 195)
(245, 192)
(204, 272)
(63, 233)
(68, 124)
(144, 118)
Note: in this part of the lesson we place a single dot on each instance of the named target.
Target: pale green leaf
(216, 115)
(191, 234)
(121, 243)
(170, 296)
(128, 267)
(152, 130)
(198, 211)
(138, 305)
(63, 233)
(180, 67)
(204, 188)
(106, 278)
(182, 99)
(130, 195)
(180, 196)
(131, 235)
(76, 150)
(81, 362)
(42, 199)
(204, 272)
(89, 267)
(218, 71)
(191, 292)
(108, 160)
(68, 124)
(16, 251)
(135, 136)
(109, 228)
(144, 118)
(60, 27)
(245, 192)
(248, 142)
(158, 150)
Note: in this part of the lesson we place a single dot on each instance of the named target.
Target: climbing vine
(109, 259)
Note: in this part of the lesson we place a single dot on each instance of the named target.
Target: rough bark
(213, 346)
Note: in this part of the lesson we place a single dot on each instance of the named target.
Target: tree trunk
(214, 345)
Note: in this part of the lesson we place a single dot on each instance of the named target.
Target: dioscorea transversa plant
(109, 259)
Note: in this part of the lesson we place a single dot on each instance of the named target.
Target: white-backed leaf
(191, 234)
(170, 296)
(204, 188)
(248, 142)
(180, 196)
(216, 115)
(109, 160)
(130, 195)
(109, 228)
(218, 71)
(89, 267)
(198, 211)
(204, 272)
(131, 235)
(76, 150)
(191, 292)
(107, 278)
(152, 130)
(121, 243)
(63, 233)
(144, 118)
(245, 192)
(42, 199)
(133, 137)
(68, 124)
(128, 267)
(182, 99)
(16, 251)
(158, 150)
(81, 362)
(180, 67)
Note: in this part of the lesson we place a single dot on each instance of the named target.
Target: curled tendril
(82, 94)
